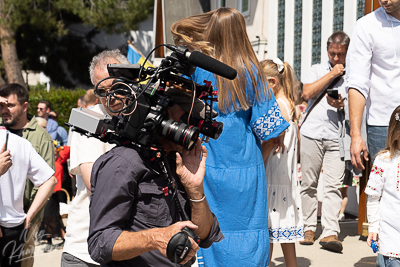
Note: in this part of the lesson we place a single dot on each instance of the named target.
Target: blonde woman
(235, 182)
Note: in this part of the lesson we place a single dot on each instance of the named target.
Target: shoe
(309, 238)
(48, 248)
(341, 217)
(331, 243)
(60, 245)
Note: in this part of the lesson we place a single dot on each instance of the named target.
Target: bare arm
(45, 190)
(191, 169)
(311, 90)
(86, 172)
(356, 109)
(132, 244)
(266, 148)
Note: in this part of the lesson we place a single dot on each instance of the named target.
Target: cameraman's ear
(175, 112)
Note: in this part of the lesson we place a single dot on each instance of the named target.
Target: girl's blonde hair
(393, 136)
(221, 33)
(285, 78)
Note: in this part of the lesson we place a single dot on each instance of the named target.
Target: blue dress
(235, 183)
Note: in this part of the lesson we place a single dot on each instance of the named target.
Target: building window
(281, 29)
(360, 8)
(338, 10)
(298, 21)
(316, 31)
(244, 7)
(221, 3)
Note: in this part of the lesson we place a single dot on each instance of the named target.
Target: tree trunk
(10, 57)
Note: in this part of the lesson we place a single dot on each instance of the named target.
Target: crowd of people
(238, 194)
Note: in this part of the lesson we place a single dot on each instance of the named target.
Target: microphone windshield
(212, 65)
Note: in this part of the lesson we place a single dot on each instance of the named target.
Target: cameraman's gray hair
(339, 38)
(106, 57)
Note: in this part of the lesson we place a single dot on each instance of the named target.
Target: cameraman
(132, 220)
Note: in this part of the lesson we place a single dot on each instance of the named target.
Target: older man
(320, 144)
(84, 152)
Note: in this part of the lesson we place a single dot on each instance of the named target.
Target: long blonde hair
(393, 135)
(286, 80)
(221, 33)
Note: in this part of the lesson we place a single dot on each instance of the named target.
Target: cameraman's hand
(168, 232)
(191, 168)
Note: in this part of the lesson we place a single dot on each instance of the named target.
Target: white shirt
(384, 184)
(83, 150)
(373, 64)
(26, 162)
(322, 123)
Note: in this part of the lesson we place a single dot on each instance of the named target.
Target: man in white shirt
(373, 77)
(84, 152)
(320, 144)
(14, 222)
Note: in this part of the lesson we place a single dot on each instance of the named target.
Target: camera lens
(180, 133)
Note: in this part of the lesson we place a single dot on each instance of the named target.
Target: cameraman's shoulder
(121, 155)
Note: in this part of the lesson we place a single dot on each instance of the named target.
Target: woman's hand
(191, 168)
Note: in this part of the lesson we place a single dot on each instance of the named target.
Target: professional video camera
(144, 116)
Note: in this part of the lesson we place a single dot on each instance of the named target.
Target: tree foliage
(40, 27)
(62, 101)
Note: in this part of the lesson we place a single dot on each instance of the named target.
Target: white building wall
(349, 16)
(326, 27)
(306, 38)
(272, 46)
(289, 32)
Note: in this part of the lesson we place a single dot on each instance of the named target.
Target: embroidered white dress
(383, 183)
(285, 221)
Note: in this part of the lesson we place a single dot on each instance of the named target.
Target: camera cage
(143, 117)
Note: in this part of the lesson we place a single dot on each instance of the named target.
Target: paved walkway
(355, 252)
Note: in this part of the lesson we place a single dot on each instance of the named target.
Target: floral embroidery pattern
(393, 254)
(268, 123)
(373, 188)
(291, 233)
(375, 169)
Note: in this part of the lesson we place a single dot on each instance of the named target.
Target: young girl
(285, 222)
(383, 204)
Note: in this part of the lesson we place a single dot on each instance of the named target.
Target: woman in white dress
(285, 222)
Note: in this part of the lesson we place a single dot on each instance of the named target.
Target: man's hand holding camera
(191, 168)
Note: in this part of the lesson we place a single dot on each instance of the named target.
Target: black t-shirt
(17, 132)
